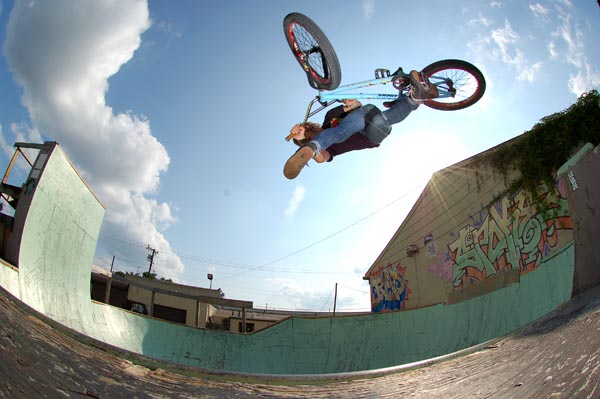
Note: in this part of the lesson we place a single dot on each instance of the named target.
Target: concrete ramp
(556, 357)
(49, 251)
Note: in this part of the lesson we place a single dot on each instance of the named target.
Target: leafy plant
(540, 152)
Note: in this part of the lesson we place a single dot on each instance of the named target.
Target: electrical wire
(247, 268)
(453, 192)
(326, 302)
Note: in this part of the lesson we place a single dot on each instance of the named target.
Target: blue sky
(175, 113)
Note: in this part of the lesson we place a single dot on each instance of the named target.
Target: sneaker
(421, 88)
(294, 165)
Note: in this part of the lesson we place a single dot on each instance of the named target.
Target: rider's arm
(298, 134)
(302, 134)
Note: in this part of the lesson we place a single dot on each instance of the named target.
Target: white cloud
(503, 44)
(552, 50)
(294, 202)
(299, 297)
(529, 72)
(568, 3)
(505, 38)
(21, 133)
(480, 20)
(169, 29)
(539, 11)
(291, 290)
(567, 45)
(62, 54)
(368, 7)
(585, 79)
(570, 39)
(571, 36)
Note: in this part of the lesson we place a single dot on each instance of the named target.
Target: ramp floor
(556, 357)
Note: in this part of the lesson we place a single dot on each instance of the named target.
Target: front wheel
(313, 51)
(459, 83)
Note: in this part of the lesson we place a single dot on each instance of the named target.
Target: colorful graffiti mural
(515, 233)
(389, 288)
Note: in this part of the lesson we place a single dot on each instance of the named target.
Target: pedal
(382, 73)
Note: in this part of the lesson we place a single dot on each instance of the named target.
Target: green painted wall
(58, 244)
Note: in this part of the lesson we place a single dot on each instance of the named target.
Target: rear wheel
(459, 83)
(313, 51)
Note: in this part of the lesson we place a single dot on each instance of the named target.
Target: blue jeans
(367, 120)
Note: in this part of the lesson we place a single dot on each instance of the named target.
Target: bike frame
(344, 92)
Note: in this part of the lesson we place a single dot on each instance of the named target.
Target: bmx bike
(460, 84)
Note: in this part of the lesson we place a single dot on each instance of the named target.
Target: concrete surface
(59, 220)
(556, 357)
(56, 342)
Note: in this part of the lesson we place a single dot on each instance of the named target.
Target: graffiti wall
(389, 288)
(460, 234)
(514, 234)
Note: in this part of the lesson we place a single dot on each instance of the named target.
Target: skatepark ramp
(48, 247)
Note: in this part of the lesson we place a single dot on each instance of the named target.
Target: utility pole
(109, 283)
(335, 300)
(151, 258)
(112, 265)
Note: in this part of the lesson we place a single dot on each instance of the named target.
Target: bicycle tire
(313, 51)
(464, 77)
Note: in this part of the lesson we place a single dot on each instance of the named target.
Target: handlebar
(309, 113)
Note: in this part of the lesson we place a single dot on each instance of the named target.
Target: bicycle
(460, 84)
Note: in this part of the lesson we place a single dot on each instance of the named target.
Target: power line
(251, 268)
(327, 237)
(326, 302)
(233, 265)
(354, 289)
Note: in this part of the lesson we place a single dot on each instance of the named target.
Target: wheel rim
(308, 52)
(465, 83)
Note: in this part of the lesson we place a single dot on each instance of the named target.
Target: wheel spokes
(454, 84)
(310, 52)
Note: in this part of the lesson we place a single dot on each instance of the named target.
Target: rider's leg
(354, 122)
(400, 110)
(380, 125)
(351, 124)
(323, 156)
(378, 128)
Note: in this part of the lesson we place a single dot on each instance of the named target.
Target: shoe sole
(426, 94)
(294, 165)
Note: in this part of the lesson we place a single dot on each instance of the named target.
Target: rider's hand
(298, 132)
(350, 104)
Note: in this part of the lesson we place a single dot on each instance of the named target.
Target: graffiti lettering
(389, 288)
(514, 234)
